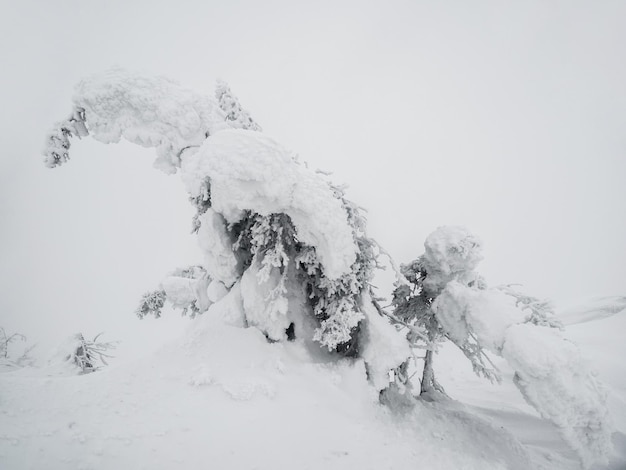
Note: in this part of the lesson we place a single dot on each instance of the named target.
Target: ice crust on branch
(252, 172)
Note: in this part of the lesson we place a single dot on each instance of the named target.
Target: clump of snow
(553, 378)
(181, 291)
(229, 309)
(450, 309)
(486, 313)
(217, 248)
(383, 347)
(451, 252)
(264, 301)
(251, 172)
(216, 291)
(152, 112)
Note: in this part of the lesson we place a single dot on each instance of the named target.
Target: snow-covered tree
(446, 299)
(281, 238)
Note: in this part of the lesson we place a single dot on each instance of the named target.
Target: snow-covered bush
(87, 355)
(151, 303)
(10, 358)
(183, 288)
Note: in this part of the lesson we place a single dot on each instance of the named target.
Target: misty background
(507, 118)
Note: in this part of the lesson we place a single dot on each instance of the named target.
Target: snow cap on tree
(451, 252)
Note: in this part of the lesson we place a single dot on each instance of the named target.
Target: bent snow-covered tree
(278, 238)
(447, 299)
(285, 252)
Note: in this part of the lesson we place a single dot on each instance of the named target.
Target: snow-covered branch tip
(56, 151)
(87, 354)
(236, 115)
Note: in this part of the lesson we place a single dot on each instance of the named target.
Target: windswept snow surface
(250, 171)
(224, 397)
(595, 309)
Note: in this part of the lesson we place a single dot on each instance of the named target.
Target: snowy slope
(223, 397)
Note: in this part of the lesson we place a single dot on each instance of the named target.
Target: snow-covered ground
(218, 396)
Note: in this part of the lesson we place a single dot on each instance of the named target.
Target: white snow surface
(148, 111)
(223, 397)
(250, 171)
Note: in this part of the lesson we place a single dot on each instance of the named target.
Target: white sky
(505, 117)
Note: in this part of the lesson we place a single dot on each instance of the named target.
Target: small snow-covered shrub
(88, 355)
(183, 288)
(10, 358)
(151, 304)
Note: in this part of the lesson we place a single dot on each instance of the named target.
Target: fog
(507, 118)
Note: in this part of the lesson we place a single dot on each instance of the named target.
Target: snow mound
(223, 397)
(250, 171)
(152, 112)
